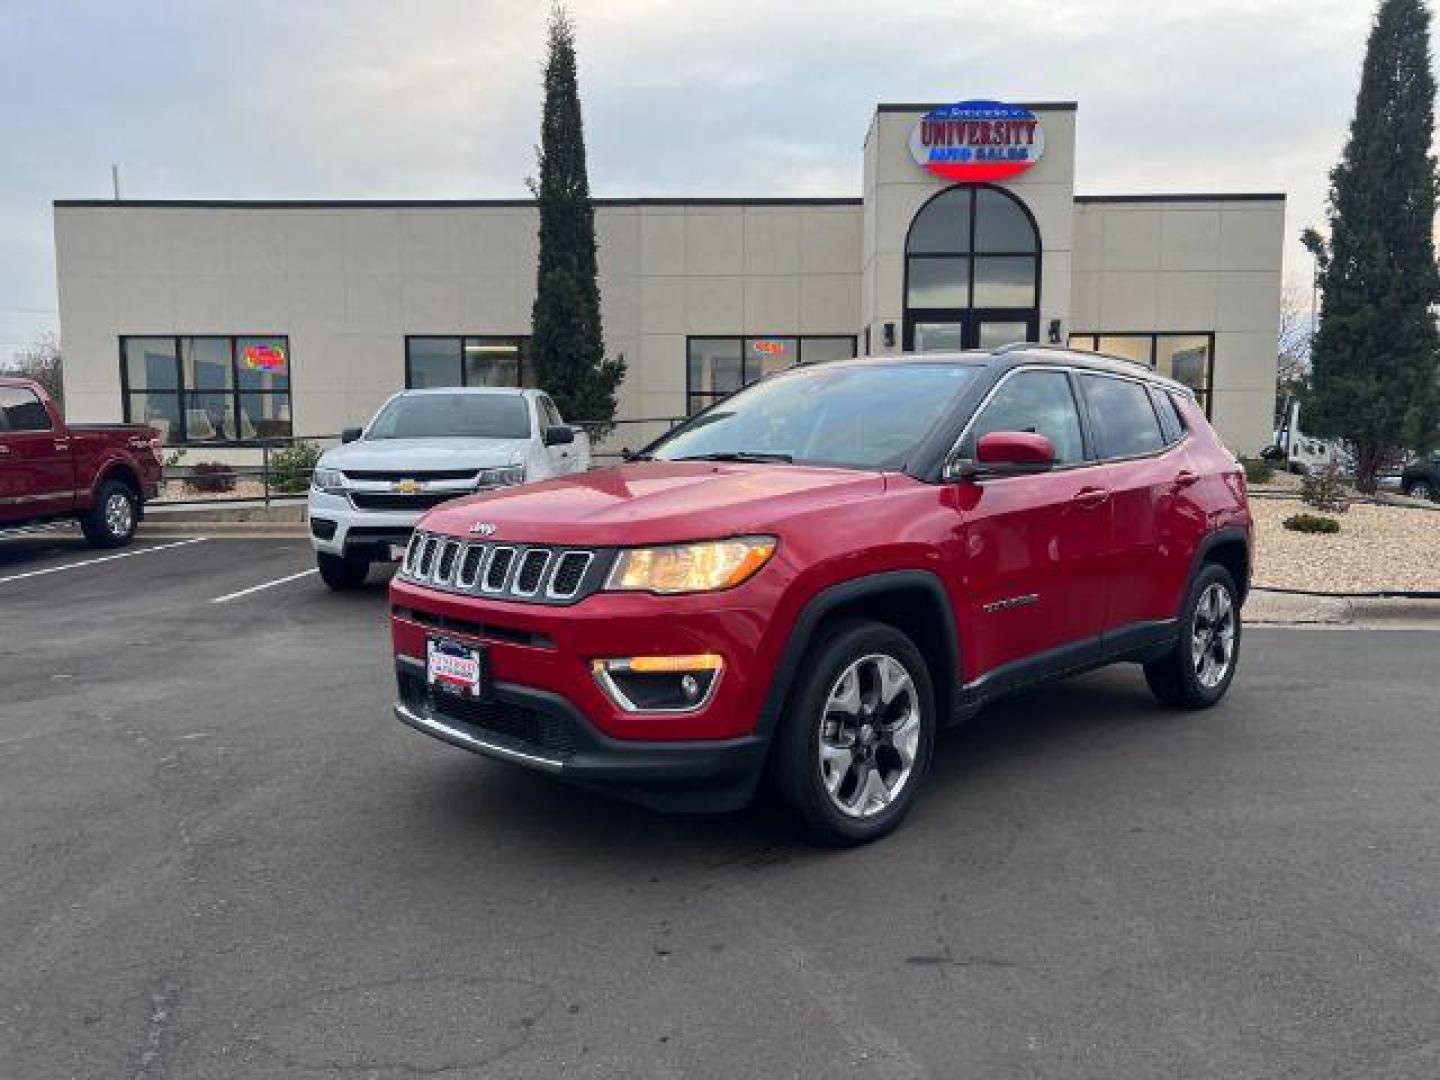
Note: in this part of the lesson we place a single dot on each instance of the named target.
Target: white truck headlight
(506, 476)
(330, 481)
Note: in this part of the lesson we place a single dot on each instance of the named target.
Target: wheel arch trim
(835, 597)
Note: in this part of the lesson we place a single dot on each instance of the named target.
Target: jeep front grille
(534, 573)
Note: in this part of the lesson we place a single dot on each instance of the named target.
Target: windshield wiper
(739, 455)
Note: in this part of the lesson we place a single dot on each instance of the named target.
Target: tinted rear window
(1124, 420)
(21, 410)
(1170, 421)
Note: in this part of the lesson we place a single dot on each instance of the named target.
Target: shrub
(211, 476)
(1324, 489)
(1257, 470)
(1311, 523)
(291, 467)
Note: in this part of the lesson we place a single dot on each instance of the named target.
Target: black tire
(340, 573)
(796, 770)
(111, 521)
(1174, 678)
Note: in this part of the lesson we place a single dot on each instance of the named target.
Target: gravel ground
(1377, 547)
(179, 491)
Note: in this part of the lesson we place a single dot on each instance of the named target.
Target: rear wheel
(341, 573)
(1421, 489)
(1196, 673)
(111, 521)
(858, 733)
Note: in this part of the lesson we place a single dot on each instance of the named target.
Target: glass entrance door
(992, 333)
(953, 331)
(938, 335)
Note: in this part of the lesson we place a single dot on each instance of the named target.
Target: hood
(655, 502)
(425, 454)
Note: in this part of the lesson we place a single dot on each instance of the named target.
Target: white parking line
(101, 559)
(264, 585)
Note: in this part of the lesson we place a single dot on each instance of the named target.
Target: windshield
(858, 416)
(463, 416)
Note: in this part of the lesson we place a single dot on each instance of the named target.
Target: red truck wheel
(110, 523)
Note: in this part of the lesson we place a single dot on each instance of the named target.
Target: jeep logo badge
(483, 528)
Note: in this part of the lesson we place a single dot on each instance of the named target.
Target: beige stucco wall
(347, 285)
(1191, 265)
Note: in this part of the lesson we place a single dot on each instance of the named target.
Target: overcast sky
(441, 98)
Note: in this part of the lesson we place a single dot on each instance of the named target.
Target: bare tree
(1296, 333)
(41, 361)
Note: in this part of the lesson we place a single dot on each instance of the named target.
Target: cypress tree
(567, 347)
(1374, 375)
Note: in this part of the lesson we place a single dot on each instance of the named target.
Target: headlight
(507, 476)
(331, 481)
(682, 568)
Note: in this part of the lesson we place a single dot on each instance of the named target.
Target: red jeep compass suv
(803, 582)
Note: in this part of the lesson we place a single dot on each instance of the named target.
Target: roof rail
(1029, 346)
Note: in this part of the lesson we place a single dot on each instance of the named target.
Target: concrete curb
(1280, 609)
(255, 530)
(290, 511)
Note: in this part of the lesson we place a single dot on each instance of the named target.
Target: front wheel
(111, 522)
(340, 573)
(858, 733)
(1196, 673)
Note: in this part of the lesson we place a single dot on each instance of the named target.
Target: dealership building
(229, 323)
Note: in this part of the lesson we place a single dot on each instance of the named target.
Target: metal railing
(277, 477)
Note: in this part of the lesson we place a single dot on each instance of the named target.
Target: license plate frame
(458, 668)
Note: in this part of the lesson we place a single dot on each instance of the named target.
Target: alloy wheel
(1212, 636)
(869, 735)
(119, 514)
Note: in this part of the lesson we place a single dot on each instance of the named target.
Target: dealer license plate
(455, 668)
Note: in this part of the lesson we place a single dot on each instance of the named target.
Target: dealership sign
(978, 140)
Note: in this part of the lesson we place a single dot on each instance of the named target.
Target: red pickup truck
(101, 474)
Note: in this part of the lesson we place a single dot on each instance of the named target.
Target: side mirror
(1008, 453)
(559, 435)
(350, 434)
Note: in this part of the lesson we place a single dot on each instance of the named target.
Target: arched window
(972, 271)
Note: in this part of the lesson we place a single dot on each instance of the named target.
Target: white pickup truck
(422, 448)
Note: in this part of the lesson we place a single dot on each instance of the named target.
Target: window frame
(1206, 398)
(1146, 386)
(522, 364)
(970, 315)
(181, 391)
(1087, 446)
(1087, 423)
(703, 399)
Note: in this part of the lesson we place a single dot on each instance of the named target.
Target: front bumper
(338, 528)
(543, 731)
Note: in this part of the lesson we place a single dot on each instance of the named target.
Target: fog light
(659, 683)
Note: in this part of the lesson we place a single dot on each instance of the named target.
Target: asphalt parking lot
(221, 857)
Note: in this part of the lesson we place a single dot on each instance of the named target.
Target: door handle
(1184, 478)
(61, 444)
(4, 450)
(1091, 497)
